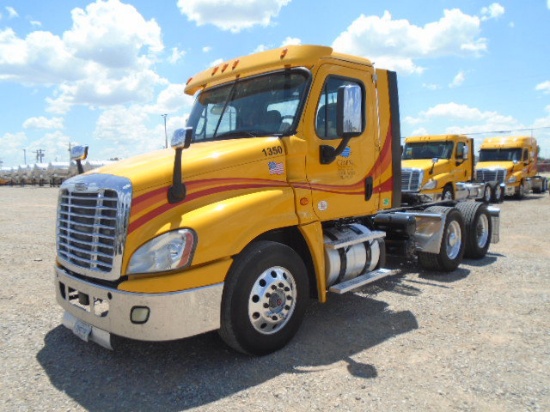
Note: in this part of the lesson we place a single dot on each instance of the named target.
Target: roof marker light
(283, 53)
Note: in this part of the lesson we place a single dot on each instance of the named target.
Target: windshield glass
(261, 106)
(428, 150)
(490, 155)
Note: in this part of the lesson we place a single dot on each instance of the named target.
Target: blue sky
(102, 73)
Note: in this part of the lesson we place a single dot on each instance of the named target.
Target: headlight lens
(513, 179)
(168, 251)
(432, 184)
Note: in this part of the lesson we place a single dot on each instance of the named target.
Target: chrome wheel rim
(453, 239)
(272, 300)
(482, 230)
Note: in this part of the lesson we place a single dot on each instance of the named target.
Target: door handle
(369, 187)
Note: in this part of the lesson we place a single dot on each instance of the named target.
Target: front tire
(264, 298)
(448, 193)
(452, 244)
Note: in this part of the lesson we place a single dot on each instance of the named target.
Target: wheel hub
(272, 300)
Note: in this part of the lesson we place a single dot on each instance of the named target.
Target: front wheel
(452, 244)
(264, 298)
(447, 193)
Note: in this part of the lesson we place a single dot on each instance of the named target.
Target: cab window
(325, 119)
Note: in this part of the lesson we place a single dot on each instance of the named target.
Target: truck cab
(511, 160)
(284, 185)
(433, 165)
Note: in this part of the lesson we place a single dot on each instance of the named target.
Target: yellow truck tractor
(511, 160)
(441, 167)
(284, 186)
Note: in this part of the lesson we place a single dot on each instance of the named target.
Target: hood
(501, 164)
(221, 159)
(426, 165)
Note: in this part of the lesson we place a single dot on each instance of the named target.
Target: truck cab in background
(441, 167)
(511, 160)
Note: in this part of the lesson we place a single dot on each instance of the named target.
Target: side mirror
(465, 153)
(78, 154)
(349, 109)
(349, 120)
(181, 139)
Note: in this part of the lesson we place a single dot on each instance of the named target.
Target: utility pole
(165, 134)
(39, 155)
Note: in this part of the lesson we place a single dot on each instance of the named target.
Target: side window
(460, 150)
(525, 155)
(325, 119)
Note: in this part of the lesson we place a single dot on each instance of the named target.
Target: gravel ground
(474, 340)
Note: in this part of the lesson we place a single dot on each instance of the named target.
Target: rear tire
(478, 228)
(452, 243)
(264, 298)
(487, 194)
(498, 194)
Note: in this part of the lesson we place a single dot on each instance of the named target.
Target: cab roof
(508, 142)
(276, 59)
(435, 138)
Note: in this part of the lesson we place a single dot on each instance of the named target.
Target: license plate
(82, 330)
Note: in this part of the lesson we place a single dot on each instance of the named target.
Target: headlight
(513, 179)
(169, 251)
(432, 184)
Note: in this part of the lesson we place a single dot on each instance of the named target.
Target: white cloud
(111, 34)
(171, 100)
(231, 15)
(458, 80)
(104, 59)
(12, 145)
(42, 122)
(126, 129)
(545, 86)
(291, 41)
(12, 13)
(207, 49)
(395, 44)
(494, 11)
(176, 55)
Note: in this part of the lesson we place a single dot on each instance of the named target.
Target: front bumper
(95, 312)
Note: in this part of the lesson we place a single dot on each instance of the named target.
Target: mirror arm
(180, 140)
(177, 191)
(328, 153)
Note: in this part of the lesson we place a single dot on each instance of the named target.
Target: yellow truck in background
(441, 167)
(284, 186)
(511, 160)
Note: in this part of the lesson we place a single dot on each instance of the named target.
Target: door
(346, 186)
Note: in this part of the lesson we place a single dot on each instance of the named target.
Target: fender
(225, 227)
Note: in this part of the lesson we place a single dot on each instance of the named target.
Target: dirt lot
(474, 340)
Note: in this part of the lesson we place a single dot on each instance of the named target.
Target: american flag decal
(276, 168)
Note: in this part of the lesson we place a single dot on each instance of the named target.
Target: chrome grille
(91, 225)
(411, 179)
(491, 175)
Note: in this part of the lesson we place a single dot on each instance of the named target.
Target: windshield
(261, 106)
(428, 150)
(490, 155)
